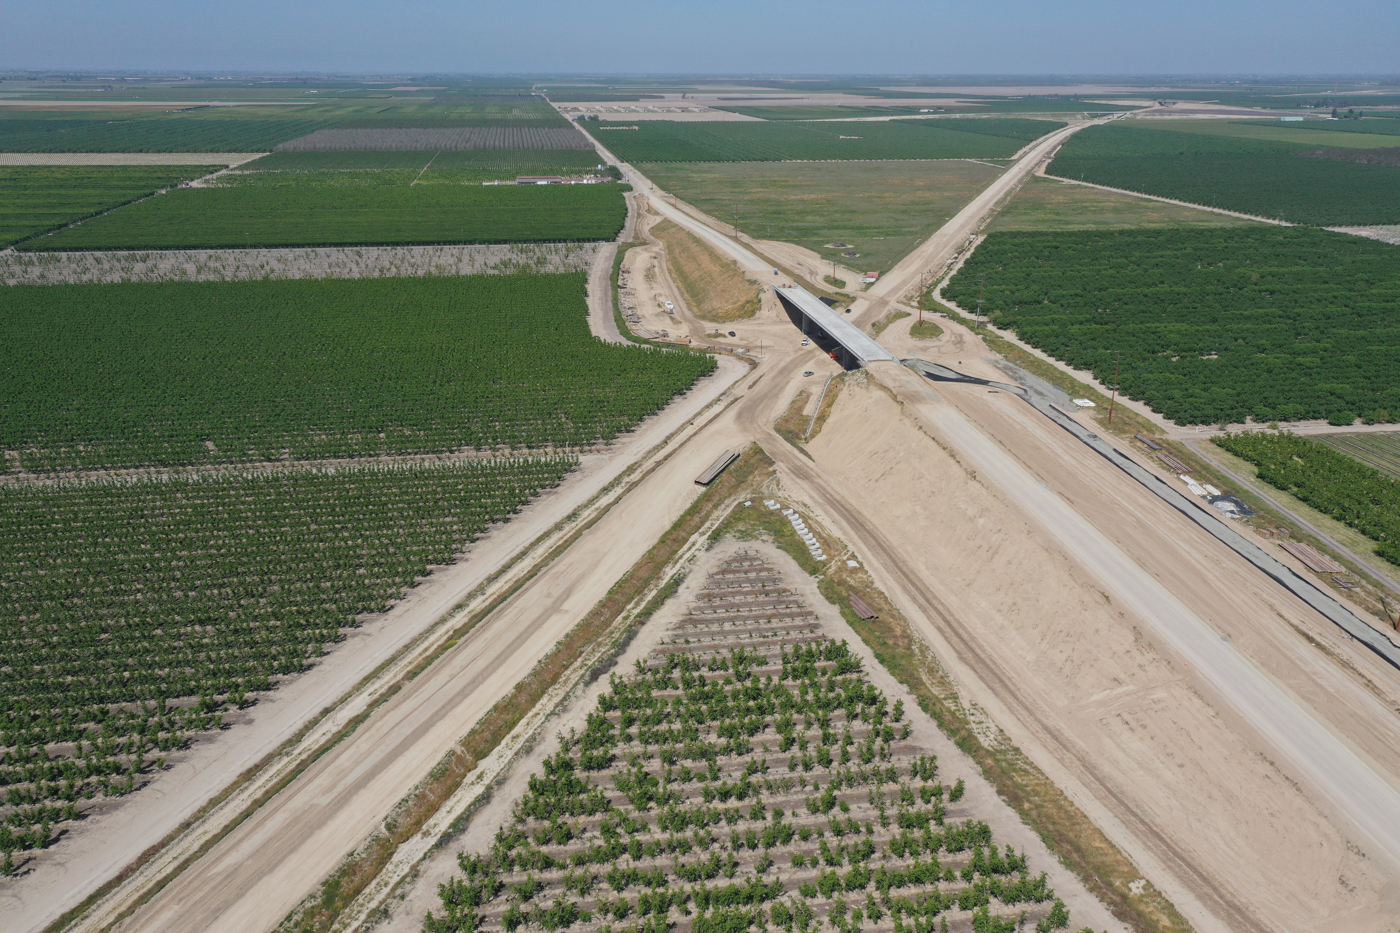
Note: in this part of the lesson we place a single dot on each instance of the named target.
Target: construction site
(1174, 719)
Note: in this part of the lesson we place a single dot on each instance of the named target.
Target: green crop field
(36, 199)
(1377, 127)
(1050, 204)
(457, 165)
(1214, 325)
(192, 218)
(1381, 450)
(666, 141)
(742, 790)
(1296, 136)
(1259, 177)
(880, 210)
(255, 128)
(155, 374)
(134, 615)
(1007, 127)
(150, 134)
(137, 613)
(1331, 482)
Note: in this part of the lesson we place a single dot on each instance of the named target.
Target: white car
(806, 342)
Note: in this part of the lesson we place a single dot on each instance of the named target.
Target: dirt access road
(1346, 781)
(933, 254)
(253, 877)
(250, 879)
(1053, 628)
(334, 692)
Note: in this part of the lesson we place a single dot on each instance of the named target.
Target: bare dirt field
(645, 290)
(300, 835)
(1386, 234)
(674, 627)
(334, 262)
(614, 112)
(1039, 575)
(1122, 758)
(1235, 841)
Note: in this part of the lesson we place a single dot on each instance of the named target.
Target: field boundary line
(155, 474)
(425, 168)
(14, 247)
(1153, 197)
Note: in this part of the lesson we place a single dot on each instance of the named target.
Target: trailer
(715, 469)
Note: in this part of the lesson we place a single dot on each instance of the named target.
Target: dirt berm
(1180, 782)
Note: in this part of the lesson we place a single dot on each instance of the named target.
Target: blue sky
(707, 36)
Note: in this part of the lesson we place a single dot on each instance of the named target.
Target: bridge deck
(860, 345)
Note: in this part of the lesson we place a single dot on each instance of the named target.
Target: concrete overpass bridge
(848, 345)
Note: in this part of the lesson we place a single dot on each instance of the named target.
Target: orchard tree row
(135, 614)
(1211, 325)
(741, 791)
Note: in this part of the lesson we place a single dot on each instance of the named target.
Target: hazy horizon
(884, 38)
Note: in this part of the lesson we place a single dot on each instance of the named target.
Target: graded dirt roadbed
(1345, 691)
(979, 802)
(1131, 727)
(252, 878)
(934, 252)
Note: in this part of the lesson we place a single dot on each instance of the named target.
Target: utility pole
(1114, 400)
(981, 290)
(921, 296)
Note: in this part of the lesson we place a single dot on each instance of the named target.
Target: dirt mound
(715, 288)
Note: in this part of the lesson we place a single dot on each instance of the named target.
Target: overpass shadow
(828, 344)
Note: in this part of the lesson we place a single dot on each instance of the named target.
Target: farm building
(560, 180)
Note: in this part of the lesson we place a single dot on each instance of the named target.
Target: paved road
(936, 623)
(1347, 780)
(253, 877)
